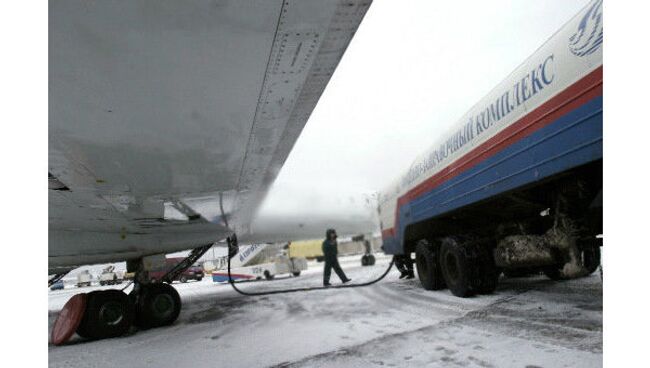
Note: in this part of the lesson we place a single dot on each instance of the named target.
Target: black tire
(199, 278)
(428, 268)
(268, 275)
(488, 278)
(456, 263)
(109, 313)
(157, 305)
(183, 279)
(101, 283)
(364, 260)
(591, 257)
(371, 260)
(518, 272)
(554, 273)
(296, 273)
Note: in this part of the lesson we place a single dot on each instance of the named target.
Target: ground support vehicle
(517, 182)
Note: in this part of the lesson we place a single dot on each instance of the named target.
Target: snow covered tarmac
(531, 322)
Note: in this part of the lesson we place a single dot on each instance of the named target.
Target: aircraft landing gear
(111, 313)
(158, 304)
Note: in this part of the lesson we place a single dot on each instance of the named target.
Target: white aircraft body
(170, 120)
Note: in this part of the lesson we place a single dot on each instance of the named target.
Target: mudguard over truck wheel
(426, 260)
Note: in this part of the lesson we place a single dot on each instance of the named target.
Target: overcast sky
(412, 70)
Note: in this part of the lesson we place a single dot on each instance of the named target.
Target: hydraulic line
(232, 242)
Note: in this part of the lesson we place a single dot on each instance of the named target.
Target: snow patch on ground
(527, 322)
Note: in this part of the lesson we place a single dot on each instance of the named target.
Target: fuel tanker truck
(517, 182)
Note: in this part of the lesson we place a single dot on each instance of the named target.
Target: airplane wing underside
(169, 120)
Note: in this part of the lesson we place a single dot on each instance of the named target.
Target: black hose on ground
(313, 288)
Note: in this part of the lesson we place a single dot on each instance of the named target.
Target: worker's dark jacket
(329, 250)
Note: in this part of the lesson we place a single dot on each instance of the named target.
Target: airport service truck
(248, 266)
(517, 182)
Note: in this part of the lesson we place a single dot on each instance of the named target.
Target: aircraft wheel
(428, 267)
(109, 313)
(456, 264)
(157, 305)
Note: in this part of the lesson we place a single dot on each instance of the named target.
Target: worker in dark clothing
(404, 265)
(331, 261)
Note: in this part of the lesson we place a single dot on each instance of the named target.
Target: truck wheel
(591, 257)
(183, 279)
(457, 267)
(371, 260)
(109, 313)
(268, 275)
(157, 305)
(518, 272)
(429, 272)
(555, 273)
(296, 273)
(488, 278)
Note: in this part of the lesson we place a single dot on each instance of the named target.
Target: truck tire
(428, 267)
(518, 272)
(157, 305)
(554, 273)
(109, 313)
(268, 275)
(371, 260)
(457, 262)
(591, 257)
(488, 272)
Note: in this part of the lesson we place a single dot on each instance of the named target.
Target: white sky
(413, 69)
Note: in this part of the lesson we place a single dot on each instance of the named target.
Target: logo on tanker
(589, 35)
